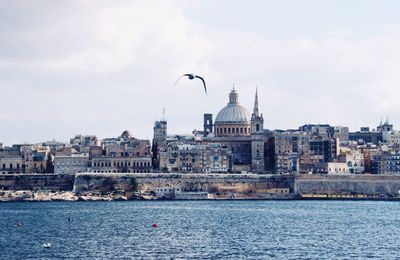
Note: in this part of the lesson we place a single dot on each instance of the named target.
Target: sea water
(201, 230)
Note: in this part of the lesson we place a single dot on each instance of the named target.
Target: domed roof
(126, 134)
(233, 112)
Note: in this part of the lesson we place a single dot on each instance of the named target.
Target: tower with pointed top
(385, 127)
(257, 139)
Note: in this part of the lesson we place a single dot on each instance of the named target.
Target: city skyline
(309, 66)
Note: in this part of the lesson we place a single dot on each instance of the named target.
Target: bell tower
(257, 139)
(208, 124)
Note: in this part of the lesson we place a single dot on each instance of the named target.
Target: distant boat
(46, 245)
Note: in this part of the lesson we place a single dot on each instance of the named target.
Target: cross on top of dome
(233, 97)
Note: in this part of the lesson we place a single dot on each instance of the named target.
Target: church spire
(255, 109)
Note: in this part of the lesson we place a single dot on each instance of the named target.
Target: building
(159, 142)
(11, 164)
(341, 133)
(287, 151)
(124, 164)
(195, 157)
(365, 136)
(337, 168)
(385, 163)
(241, 134)
(70, 164)
(122, 154)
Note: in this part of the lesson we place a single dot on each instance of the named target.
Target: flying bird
(191, 77)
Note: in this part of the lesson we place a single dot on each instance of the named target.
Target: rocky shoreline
(42, 196)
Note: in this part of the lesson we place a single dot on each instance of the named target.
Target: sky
(100, 67)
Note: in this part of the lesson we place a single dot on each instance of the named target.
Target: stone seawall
(34, 182)
(250, 183)
(369, 185)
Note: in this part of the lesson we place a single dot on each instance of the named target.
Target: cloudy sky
(99, 67)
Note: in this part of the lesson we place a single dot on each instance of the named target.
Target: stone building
(195, 157)
(241, 134)
(123, 164)
(70, 164)
(124, 153)
(365, 136)
(287, 151)
(385, 163)
(11, 164)
(159, 142)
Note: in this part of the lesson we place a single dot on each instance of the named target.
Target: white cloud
(102, 66)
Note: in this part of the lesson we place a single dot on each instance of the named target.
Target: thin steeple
(255, 109)
(163, 115)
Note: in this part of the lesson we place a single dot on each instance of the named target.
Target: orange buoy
(155, 225)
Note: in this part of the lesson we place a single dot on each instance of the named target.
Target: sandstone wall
(188, 182)
(36, 182)
(348, 184)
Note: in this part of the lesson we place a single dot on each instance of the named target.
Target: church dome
(233, 113)
(126, 134)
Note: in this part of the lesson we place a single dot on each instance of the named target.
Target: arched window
(257, 127)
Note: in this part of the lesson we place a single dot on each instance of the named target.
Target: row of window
(233, 130)
(122, 164)
(11, 166)
(117, 171)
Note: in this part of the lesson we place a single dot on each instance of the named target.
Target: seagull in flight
(191, 77)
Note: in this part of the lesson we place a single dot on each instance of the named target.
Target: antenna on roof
(163, 112)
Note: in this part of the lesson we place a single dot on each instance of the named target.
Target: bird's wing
(204, 83)
(184, 75)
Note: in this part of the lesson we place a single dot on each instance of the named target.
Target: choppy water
(201, 230)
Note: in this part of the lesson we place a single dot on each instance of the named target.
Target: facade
(195, 157)
(287, 152)
(385, 163)
(391, 137)
(341, 133)
(70, 164)
(365, 136)
(121, 155)
(11, 164)
(109, 164)
(337, 168)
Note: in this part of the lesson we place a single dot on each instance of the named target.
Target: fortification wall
(36, 182)
(371, 185)
(188, 182)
